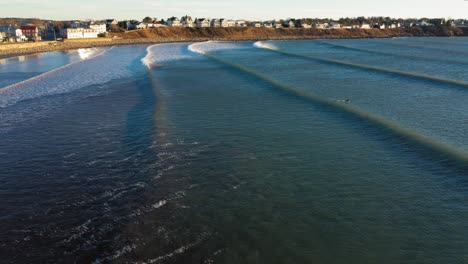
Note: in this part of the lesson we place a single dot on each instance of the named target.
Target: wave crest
(160, 53)
(212, 46)
(265, 45)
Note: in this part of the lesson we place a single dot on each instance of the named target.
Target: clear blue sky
(246, 9)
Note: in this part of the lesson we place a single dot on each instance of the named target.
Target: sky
(236, 9)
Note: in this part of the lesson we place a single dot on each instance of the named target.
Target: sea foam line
(411, 135)
(71, 77)
(365, 67)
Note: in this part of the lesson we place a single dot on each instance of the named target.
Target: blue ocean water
(324, 151)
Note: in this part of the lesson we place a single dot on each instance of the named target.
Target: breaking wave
(97, 68)
(265, 45)
(161, 53)
(212, 46)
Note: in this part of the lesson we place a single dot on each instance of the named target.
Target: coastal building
(257, 24)
(100, 28)
(78, 33)
(110, 22)
(305, 25)
(215, 22)
(319, 25)
(268, 25)
(227, 23)
(187, 21)
(291, 24)
(141, 25)
(30, 32)
(333, 25)
(77, 24)
(364, 26)
(203, 22)
(174, 22)
(241, 23)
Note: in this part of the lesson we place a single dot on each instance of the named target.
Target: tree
(147, 19)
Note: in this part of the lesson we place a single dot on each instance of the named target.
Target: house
(110, 22)
(77, 24)
(30, 32)
(100, 28)
(215, 22)
(141, 25)
(187, 21)
(320, 25)
(333, 25)
(268, 25)
(203, 22)
(78, 33)
(241, 23)
(227, 23)
(346, 27)
(305, 25)
(174, 22)
(291, 24)
(379, 26)
(277, 25)
(257, 24)
(364, 26)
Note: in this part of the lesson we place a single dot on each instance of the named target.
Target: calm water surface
(244, 152)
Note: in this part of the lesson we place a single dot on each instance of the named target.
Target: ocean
(311, 151)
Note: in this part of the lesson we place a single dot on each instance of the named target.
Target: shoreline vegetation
(171, 34)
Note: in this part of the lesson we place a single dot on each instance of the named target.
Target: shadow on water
(140, 124)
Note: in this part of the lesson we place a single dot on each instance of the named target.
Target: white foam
(265, 45)
(160, 53)
(159, 204)
(212, 46)
(98, 68)
(87, 53)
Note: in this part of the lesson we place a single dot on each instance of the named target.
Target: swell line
(370, 68)
(422, 47)
(392, 54)
(413, 136)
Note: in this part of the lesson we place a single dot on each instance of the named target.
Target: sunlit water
(237, 153)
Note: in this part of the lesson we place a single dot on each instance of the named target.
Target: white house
(174, 22)
(78, 33)
(320, 25)
(277, 25)
(257, 24)
(334, 25)
(364, 26)
(268, 25)
(141, 25)
(100, 28)
(305, 25)
(215, 22)
(203, 22)
(89, 33)
(227, 23)
(241, 23)
(291, 24)
(187, 21)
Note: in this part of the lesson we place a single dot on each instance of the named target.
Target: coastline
(170, 35)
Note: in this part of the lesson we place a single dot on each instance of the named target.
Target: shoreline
(174, 35)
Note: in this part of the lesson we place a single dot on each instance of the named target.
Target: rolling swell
(392, 54)
(106, 66)
(365, 67)
(413, 136)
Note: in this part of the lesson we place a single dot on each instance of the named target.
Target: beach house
(203, 22)
(99, 27)
(30, 32)
(227, 23)
(187, 21)
(215, 22)
(174, 22)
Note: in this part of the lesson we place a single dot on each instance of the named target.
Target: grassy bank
(164, 35)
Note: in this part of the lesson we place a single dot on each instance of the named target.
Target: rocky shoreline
(167, 35)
